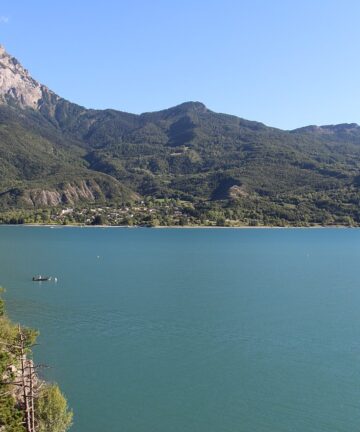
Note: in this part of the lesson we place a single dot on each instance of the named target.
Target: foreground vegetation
(51, 410)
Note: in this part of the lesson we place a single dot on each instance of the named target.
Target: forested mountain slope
(54, 152)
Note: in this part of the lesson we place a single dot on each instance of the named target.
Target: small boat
(40, 278)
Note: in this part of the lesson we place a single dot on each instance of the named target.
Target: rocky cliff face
(70, 193)
(67, 193)
(16, 84)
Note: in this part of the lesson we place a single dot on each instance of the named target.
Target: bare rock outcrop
(237, 191)
(17, 85)
(69, 193)
(81, 191)
(42, 197)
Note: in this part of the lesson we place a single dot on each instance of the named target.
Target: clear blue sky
(287, 63)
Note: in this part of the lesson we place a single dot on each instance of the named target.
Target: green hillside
(222, 168)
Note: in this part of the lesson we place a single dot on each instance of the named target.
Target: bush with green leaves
(52, 411)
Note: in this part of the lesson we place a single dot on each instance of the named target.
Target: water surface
(194, 330)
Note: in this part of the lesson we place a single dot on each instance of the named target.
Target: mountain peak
(191, 106)
(16, 84)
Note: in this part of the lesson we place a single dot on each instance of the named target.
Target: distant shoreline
(37, 225)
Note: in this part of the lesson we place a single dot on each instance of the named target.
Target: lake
(196, 330)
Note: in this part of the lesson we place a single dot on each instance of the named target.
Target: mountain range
(55, 153)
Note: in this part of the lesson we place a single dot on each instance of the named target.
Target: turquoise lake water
(194, 330)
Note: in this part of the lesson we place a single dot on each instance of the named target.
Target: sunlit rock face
(16, 84)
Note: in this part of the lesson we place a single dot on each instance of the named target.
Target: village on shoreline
(169, 213)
